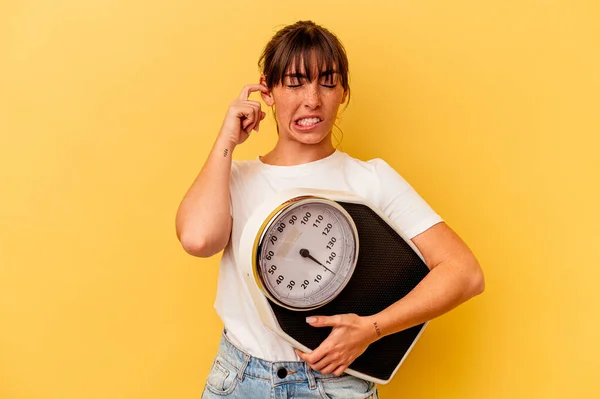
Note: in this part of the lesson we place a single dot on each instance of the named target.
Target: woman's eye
(293, 82)
(329, 81)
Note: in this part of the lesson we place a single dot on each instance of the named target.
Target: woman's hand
(243, 116)
(349, 338)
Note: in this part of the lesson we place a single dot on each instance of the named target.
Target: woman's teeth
(308, 121)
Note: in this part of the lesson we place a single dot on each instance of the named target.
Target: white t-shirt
(253, 181)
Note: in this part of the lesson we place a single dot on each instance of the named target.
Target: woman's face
(306, 110)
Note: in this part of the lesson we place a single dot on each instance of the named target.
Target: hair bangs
(311, 57)
(303, 49)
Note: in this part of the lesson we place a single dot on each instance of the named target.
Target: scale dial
(306, 253)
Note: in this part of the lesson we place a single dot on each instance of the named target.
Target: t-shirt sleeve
(401, 203)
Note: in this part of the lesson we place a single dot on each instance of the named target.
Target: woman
(305, 81)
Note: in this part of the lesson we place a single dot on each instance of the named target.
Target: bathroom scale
(307, 252)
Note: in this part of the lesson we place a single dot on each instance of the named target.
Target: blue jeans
(235, 374)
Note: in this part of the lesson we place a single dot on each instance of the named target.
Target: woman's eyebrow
(328, 72)
(294, 75)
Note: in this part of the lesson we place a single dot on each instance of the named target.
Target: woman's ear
(267, 97)
(344, 96)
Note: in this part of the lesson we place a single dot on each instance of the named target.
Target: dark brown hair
(296, 44)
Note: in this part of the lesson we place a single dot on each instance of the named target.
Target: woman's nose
(313, 96)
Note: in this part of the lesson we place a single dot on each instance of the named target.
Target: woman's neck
(295, 153)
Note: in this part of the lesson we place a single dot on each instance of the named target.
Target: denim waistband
(276, 372)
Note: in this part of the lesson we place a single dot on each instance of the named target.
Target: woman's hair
(297, 44)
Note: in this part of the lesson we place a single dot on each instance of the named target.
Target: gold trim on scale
(267, 223)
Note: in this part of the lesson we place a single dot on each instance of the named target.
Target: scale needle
(306, 254)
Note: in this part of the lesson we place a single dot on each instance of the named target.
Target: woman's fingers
(256, 124)
(247, 119)
(340, 370)
(252, 116)
(318, 359)
(259, 118)
(329, 369)
(250, 120)
(246, 90)
(244, 115)
(244, 106)
(330, 365)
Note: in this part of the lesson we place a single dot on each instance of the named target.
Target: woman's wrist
(224, 145)
(373, 327)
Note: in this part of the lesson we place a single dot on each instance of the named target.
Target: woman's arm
(455, 277)
(203, 221)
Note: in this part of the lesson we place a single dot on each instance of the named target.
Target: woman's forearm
(445, 287)
(203, 221)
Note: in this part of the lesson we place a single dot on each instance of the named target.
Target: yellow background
(108, 110)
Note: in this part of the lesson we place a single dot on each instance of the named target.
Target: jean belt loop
(243, 368)
(311, 377)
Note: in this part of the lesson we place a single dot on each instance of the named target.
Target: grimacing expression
(306, 109)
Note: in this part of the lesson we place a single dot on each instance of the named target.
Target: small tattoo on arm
(377, 330)
(225, 152)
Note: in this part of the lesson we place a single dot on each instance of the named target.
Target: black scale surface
(387, 269)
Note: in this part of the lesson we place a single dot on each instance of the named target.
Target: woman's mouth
(305, 124)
